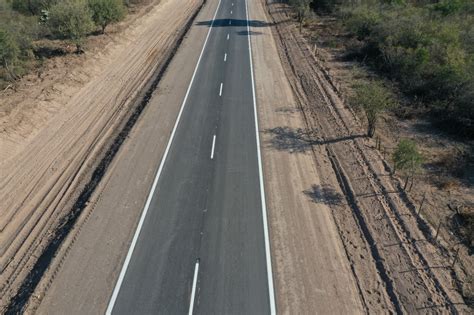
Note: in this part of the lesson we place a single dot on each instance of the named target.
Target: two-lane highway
(201, 245)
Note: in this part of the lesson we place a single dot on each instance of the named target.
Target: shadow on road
(233, 22)
(245, 33)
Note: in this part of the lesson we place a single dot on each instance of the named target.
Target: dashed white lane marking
(213, 146)
(225, 57)
(227, 36)
(193, 291)
(220, 90)
(230, 11)
(230, 22)
(118, 285)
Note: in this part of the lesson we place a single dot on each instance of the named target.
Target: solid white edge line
(271, 290)
(220, 89)
(193, 290)
(155, 182)
(213, 146)
(225, 57)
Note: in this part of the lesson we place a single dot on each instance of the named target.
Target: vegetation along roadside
(32, 30)
(406, 67)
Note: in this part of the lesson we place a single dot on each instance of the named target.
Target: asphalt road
(206, 203)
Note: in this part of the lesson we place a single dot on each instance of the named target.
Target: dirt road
(47, 160)
(398, 266)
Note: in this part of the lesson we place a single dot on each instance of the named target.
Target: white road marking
(225, 57)
(220, 90)
(271, 290)
(230, 11)
(232, 4)
(230, 22)
(116, 291)
(213, 146)
(193, 291)
(227, 36)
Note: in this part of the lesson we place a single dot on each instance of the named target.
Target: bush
(32, 7)
(8, 52)
(302, 9)
(71, 19)
(428, 51)
(374, 98)
(105, 12)
(407, 158)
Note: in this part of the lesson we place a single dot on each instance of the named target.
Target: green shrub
(407, 158)
(302, 9)
(105, 12)
(32, 7)
(8, 52)
(374, 98)
(431, 55)
(362, 22)
(71, 19)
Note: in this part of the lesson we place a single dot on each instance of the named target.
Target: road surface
(202, 242)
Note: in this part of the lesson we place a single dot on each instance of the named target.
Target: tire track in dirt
(408, 279)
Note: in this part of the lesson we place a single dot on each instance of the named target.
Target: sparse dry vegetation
(373, 97)
(428, 49)
(27, 26)
(423, 53)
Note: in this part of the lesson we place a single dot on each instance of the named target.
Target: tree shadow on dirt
(324, 194)
(299, 140)
(290, 139)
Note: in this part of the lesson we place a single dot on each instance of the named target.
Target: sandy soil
(380, 229)
(312, 272)
(53, 129)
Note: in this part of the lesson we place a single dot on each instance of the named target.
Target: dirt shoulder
(312, 272)
(53, 140)
(391, 248)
